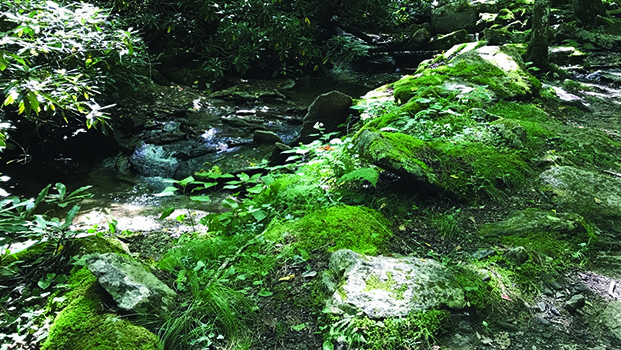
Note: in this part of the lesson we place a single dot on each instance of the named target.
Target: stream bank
(469, 179)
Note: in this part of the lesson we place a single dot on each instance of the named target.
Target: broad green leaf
(265, 293)
(200, 198)
(259, 215)
(70, 216)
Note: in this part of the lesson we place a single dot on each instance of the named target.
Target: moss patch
(360, 229)
(466, 170)
(82, 324)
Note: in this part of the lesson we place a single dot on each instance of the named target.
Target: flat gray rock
(389, 287)
(131, 286)
(611, 318)
(594, 195)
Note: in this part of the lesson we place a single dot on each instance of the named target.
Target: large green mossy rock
(345, 227)
(535, 220)
(465, 170)
(499, 69)
(83, 323)
(611, 318)
(389, 287)
(398, 153)
(594, 195)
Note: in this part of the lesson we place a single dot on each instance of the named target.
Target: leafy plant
(344, 331)
(54, 59)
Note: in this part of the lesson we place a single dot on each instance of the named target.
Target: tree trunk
(588, 10)
(537, 51)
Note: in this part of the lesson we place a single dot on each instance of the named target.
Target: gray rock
(517, 255)
(131, 286)
(574, 303)
(508, 326)
(590, 194)
(390, 287)
(266, 137)
(454, 16)
(611, 318)
(330, 110)
(534, 220)
(445, 42)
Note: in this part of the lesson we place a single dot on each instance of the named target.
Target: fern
(369, 174)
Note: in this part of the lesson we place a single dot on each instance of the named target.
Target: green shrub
(55, 59)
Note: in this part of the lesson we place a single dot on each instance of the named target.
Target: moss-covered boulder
(84, 324)
(454, 15)
(594, 195)
(388, 286)
(466, 170)
(499, 69)
(535, 220)
(132, 287)
(344, 227)
(611, 318)
(396, 152)
(445, 42)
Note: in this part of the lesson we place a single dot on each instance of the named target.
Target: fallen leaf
(286, 278)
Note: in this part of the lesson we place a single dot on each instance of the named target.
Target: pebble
(508, 326)
(556, 285)
(576, 302)
(543, 321)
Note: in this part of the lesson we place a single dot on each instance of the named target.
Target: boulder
(132, 287)
(454, 16)
(396, 153)
(594, 195)
(389, 287)
(534, 220)
(84, 323)
(445, 42)
(328, 111)
(266, 137)
(517, 255)
(611, 318)
(575, 303)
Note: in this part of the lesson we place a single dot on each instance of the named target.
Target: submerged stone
(131, 286)
(153, 160)
(390, 287)
(596, 196)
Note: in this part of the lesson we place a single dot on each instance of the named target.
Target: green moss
(410, 86)
(476, 168)
(393, 333)
(82, 324)
(586, 145)
(360, 229)
(29, 254)
(389, 285)
(477, 293)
